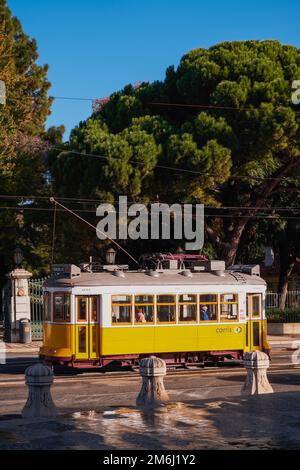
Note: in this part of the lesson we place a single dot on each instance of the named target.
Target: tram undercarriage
(184, 359)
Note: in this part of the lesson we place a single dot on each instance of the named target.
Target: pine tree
(22, 128)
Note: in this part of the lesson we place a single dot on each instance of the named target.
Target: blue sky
(95, 47)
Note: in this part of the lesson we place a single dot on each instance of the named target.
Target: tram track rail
(134, 375)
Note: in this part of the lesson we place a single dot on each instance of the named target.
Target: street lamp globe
(18, 256)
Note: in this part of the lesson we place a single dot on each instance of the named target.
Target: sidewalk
(284, 341)
(34, 346)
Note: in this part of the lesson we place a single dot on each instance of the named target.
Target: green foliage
(22, 146)
(288, 315)
(247, 126)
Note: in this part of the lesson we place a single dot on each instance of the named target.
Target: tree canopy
(220, 129)
(22, 132)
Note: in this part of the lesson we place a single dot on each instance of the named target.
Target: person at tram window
(114, 317)
(140, 317)
(204, 313)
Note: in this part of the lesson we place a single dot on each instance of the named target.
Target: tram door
(87, 327)
(254, 322)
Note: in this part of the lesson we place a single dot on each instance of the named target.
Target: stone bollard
(153, 393)
(256, 364)
(39, 379)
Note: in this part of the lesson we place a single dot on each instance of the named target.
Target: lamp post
(18, 256)
(110, 256)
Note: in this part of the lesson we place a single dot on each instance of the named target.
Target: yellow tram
(182, 315)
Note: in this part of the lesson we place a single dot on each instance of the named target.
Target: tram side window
(228, 307)
(143, 309)
(47, 311)
(208, 307)
(61, 307)
(188, 308)
(121, 309)
(166, 308)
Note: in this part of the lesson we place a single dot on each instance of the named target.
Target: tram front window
(94, 309)
(61, 308)
(256, 305)
(82, 309)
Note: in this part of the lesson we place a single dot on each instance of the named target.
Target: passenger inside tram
(204, 313)
(140, 317)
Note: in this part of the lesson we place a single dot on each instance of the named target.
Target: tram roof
(166, 277)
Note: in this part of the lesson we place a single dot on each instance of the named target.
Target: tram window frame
(47, 306)
(121, 304)
(164, 304)
(186, 302)
(216, 303)
(140, 305)
(66, 308)
(78, 299)
(235, 302)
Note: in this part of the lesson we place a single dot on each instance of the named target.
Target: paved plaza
(206, 410)
(257, 422)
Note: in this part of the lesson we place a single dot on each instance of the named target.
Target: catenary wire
(183, 170)
(52, 199)
(221, 216)
(94, 201)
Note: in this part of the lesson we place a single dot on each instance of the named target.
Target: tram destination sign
(69, 270)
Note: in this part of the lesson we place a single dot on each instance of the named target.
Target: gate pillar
(19, 303)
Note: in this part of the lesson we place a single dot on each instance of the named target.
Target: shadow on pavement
(270, 421)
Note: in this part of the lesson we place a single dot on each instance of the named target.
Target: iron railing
(273, 300)
(284, 316)
(36, 307)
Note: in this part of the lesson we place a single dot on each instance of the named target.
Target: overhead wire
(184, 170)
(221, 216)
(52, 199)
(75, 200)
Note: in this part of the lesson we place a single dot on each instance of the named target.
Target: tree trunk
(230, 247)
(288, 251)
(284, 283)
